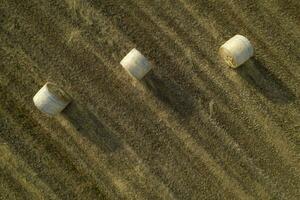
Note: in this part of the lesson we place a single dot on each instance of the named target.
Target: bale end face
(227, 57)
(136, 64)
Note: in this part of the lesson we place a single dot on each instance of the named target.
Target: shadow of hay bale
(90, 126)
(257, 75)
(170, 94)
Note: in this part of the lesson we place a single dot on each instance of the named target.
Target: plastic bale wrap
(236, 51)
(136, 64)
(51, 100)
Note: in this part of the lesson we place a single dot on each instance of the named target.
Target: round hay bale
(236, 51)
(50, 99)
(136, 64)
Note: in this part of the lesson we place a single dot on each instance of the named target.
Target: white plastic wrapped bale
(51, 100)
(136, 64)
(236, 51)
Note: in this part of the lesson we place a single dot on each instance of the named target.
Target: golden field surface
(193, 128)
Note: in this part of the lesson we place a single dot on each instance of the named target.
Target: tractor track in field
(192, 129)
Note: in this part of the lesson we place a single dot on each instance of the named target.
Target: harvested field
(192, 129)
